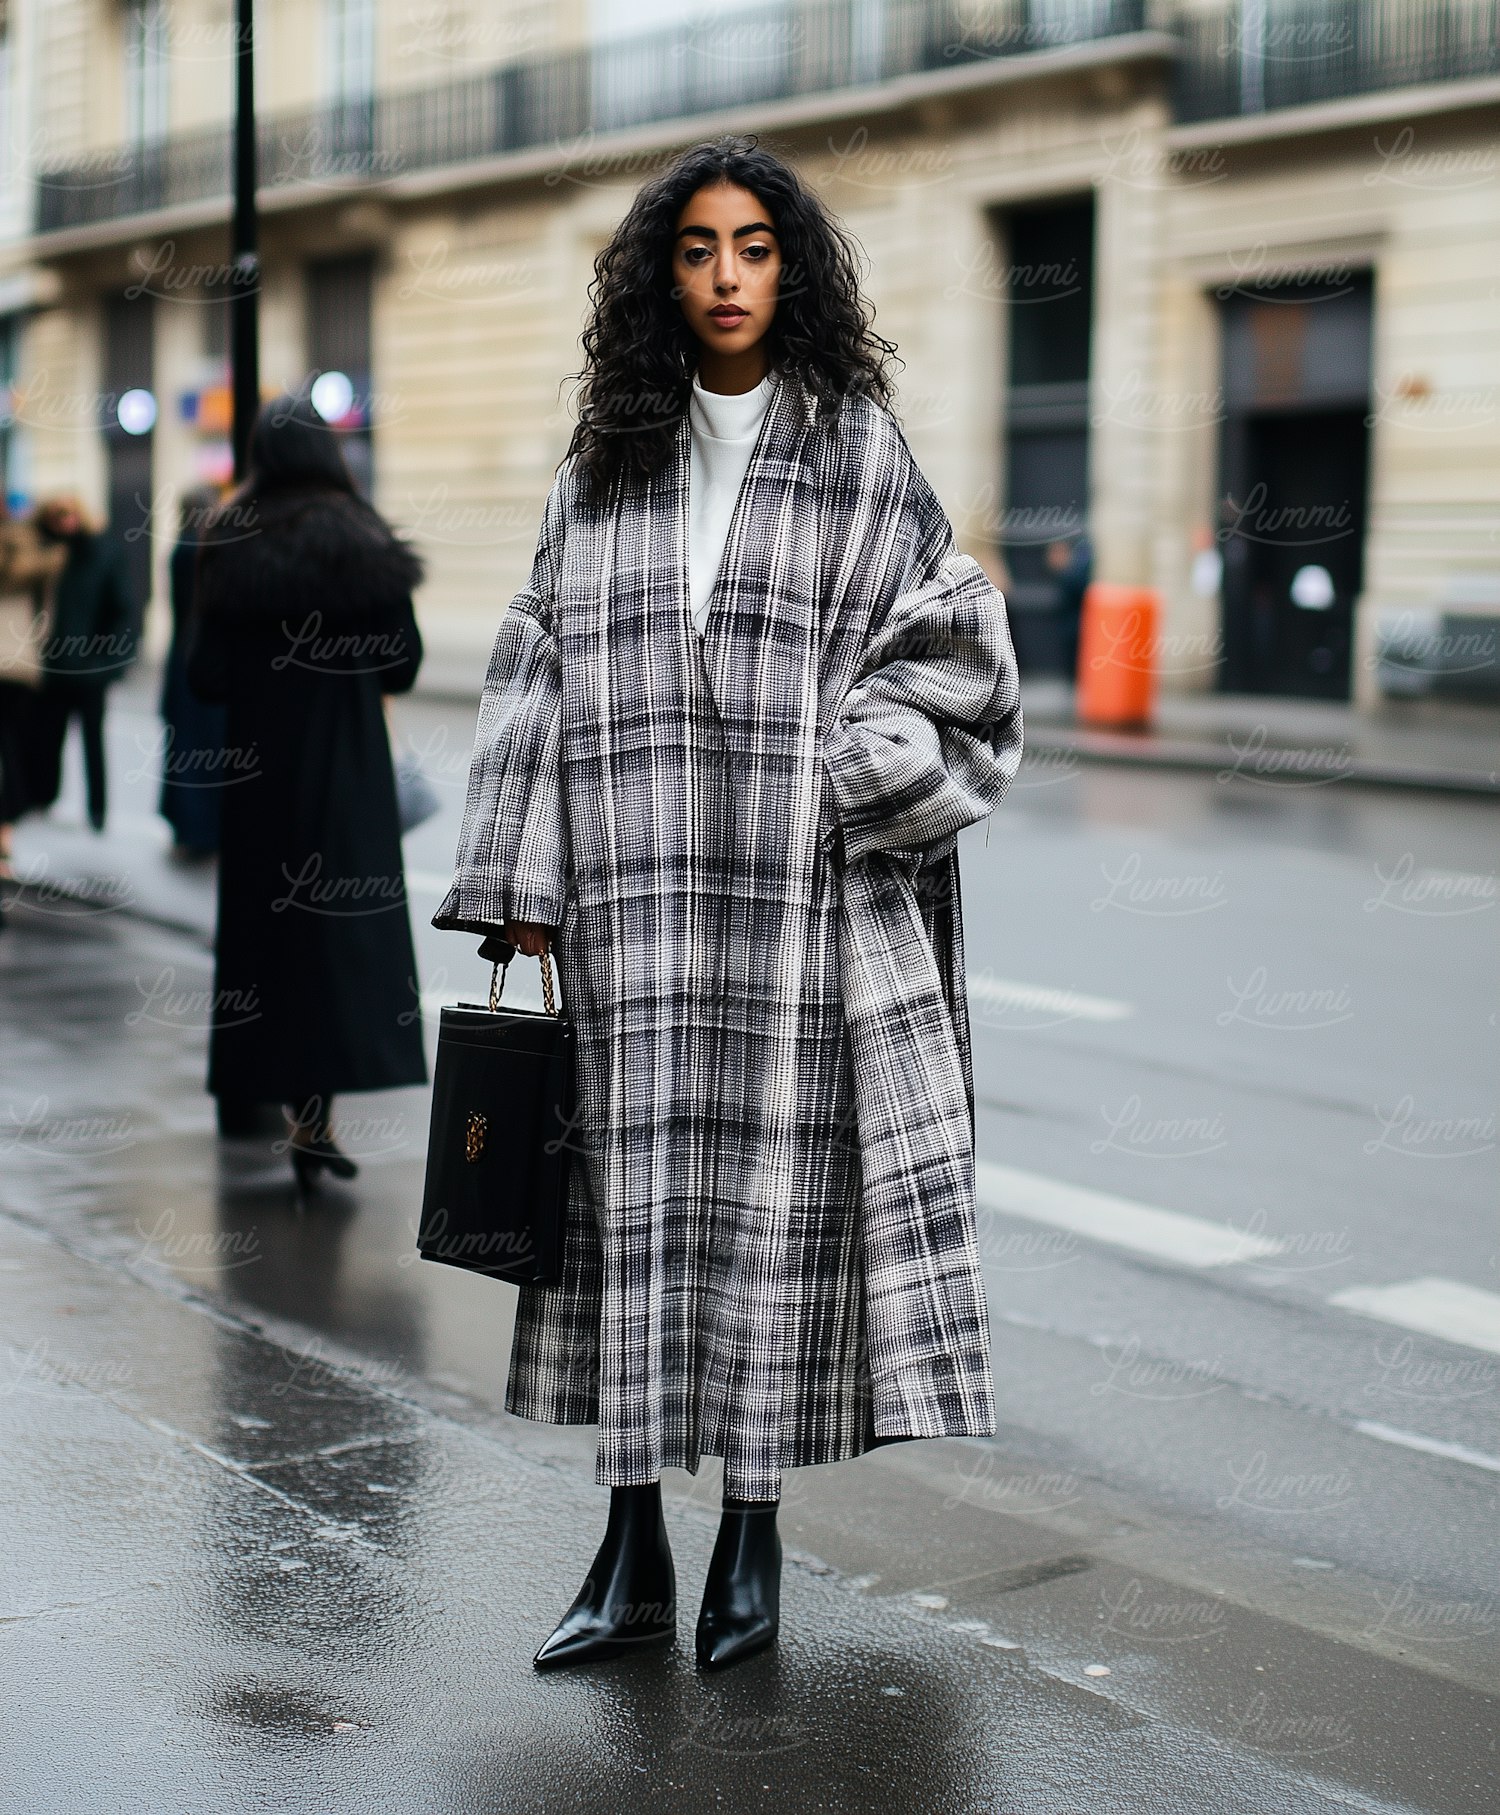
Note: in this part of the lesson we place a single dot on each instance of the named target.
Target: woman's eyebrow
(739, 232)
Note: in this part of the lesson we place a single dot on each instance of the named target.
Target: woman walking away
(27, 568)
(193, 769)
(91, 641)
(732, 727)
(303, 620)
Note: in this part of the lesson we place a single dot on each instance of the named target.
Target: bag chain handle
(497, 983)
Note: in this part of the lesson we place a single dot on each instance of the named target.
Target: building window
(1294, 481)
(145, 71)
(351, 49)
(6, 154)
(339, 296)
(129, 371)
(12, 486)
(1050, 303)
(1050, 22)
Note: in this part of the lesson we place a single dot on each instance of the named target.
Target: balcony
(1254, 57)
(1269, 54)
(765, 54)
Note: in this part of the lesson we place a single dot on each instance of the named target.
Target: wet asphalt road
(1266, 1513)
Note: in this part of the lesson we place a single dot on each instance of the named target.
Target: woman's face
(726, 267)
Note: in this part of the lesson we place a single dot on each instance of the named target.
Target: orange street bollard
(1117, 655)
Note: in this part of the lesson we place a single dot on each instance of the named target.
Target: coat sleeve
(406, 639)
(512, 859)
(928, 736)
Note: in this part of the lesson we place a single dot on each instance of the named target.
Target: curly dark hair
(640, 353)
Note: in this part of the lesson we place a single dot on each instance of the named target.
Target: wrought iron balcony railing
(768, 53)
(1252, 57)
(1267, 54)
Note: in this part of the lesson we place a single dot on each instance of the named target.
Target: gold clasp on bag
(475, 1129)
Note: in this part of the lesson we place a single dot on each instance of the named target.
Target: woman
(90, 643)
(27, 567)
(743, 845)
(193, 770)
(303, 621)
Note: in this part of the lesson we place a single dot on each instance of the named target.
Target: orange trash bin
(1117, 655)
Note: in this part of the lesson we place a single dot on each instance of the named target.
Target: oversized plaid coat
(748, 847)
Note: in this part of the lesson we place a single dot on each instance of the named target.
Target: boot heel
(305, 1169)
(741, 1611)
(309, 1160)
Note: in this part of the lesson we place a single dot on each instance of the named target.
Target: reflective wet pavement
(237, 1581)
(296, 1567)
(240, 1578)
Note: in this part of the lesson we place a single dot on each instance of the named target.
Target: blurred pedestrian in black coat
(194, 771)
(303, 621)
(91, 641)
(1073, 564)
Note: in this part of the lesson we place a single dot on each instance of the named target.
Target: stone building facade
(1216, 285)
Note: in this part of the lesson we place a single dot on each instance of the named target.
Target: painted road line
(1191, 1241)
(1445, 1308)
(1428, 1446)
(1002, 993)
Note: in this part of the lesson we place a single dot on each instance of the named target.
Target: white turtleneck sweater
(724, 433)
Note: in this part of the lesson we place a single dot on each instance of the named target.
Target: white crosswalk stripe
(1434, 1307)
(995, 998)
(1428, 1446)
(1191, 1241)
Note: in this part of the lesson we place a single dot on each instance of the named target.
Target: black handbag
(502, 1140)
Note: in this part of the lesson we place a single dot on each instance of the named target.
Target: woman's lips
(728, 318)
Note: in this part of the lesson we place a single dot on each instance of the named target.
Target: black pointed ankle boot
(742, 1596)
(313, 1146)
(628, 1601)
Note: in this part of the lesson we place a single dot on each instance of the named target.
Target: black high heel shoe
(628, 1601)
(310, 1156)
(742, 1597)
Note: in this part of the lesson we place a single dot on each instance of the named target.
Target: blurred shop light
(1312, 588)
(332, 396)
(136, 412)
(1207, 572)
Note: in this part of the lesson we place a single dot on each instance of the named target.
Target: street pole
(244, 295)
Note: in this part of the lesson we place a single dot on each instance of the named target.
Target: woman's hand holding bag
(529, 937)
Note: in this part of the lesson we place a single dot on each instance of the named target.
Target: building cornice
(1348, 112)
